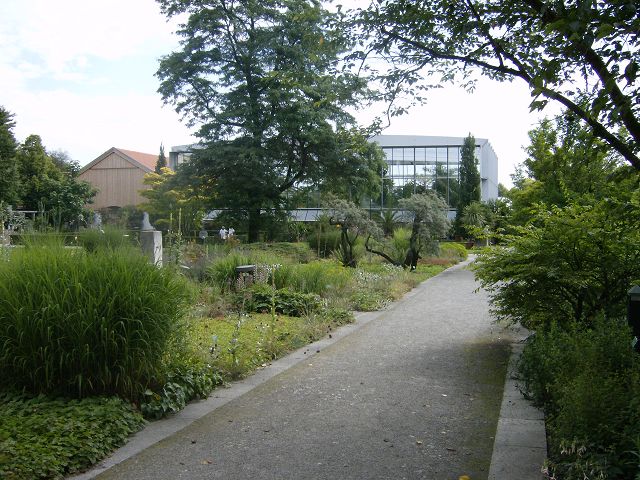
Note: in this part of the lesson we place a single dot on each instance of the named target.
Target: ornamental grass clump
(315, 277)
(80, 324)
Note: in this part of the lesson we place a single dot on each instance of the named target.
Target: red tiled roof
(147, 159)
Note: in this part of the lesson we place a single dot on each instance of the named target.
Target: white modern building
(412, 160)
(435, 162)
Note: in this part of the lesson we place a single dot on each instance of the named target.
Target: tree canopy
(583, 54)
(262, 81)
(565, 163)
(34, 179)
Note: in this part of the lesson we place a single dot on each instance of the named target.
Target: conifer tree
(469, 180)
(162, 160)
(8, 161)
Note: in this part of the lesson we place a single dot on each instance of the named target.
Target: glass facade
(410, 169)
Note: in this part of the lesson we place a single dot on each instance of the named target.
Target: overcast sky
(80, 73)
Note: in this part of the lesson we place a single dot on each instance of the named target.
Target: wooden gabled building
(118, 175)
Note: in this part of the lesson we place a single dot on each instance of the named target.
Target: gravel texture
(414, 393)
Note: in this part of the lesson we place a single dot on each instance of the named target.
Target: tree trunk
(254, 225)
(413, 254)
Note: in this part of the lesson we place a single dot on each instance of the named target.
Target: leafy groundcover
(42, 437)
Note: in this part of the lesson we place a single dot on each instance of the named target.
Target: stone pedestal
(151, 241)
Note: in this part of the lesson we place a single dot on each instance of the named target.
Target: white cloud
(66, 41)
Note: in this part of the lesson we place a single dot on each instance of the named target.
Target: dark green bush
(49, 438)
(261, 298)
(573, 264)
(588, 382)
(83, 324)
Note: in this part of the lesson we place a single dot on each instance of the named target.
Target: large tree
(261, 80)
(584, 54)
(37, 171)
(8, 161)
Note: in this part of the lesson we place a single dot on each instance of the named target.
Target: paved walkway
(414, 393)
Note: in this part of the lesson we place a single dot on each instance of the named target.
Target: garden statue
(146, 225)
(97, 221)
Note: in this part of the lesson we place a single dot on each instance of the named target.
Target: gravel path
(413, 394)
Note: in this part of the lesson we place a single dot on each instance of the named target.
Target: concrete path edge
(520, 445)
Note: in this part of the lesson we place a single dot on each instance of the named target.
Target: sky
(80, 74)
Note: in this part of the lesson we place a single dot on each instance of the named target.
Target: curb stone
(520, 446)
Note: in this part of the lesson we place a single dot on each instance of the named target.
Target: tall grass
(324, 242)
(78, 324)
(107, 237)
(222, 270)
(315, 277)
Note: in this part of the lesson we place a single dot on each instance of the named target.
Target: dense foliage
(37, 180)
(172, 204)
(262, 82)
(565, 163)
(564, 271)
(84, 324)
(588, 383)
(45, 438)
(570, 265)
(354, 222)
(8, 163)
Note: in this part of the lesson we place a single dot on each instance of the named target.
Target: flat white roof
(421, 141)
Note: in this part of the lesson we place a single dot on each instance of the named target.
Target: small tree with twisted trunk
(428, 225)
(353, 221)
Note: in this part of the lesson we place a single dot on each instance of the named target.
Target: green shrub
(78, 324)
(50, 438)
(588, 382)
(261, 298)
(453, 250)
(400, 244)
(572, 264)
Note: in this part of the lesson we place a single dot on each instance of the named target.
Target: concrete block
(151, 241)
